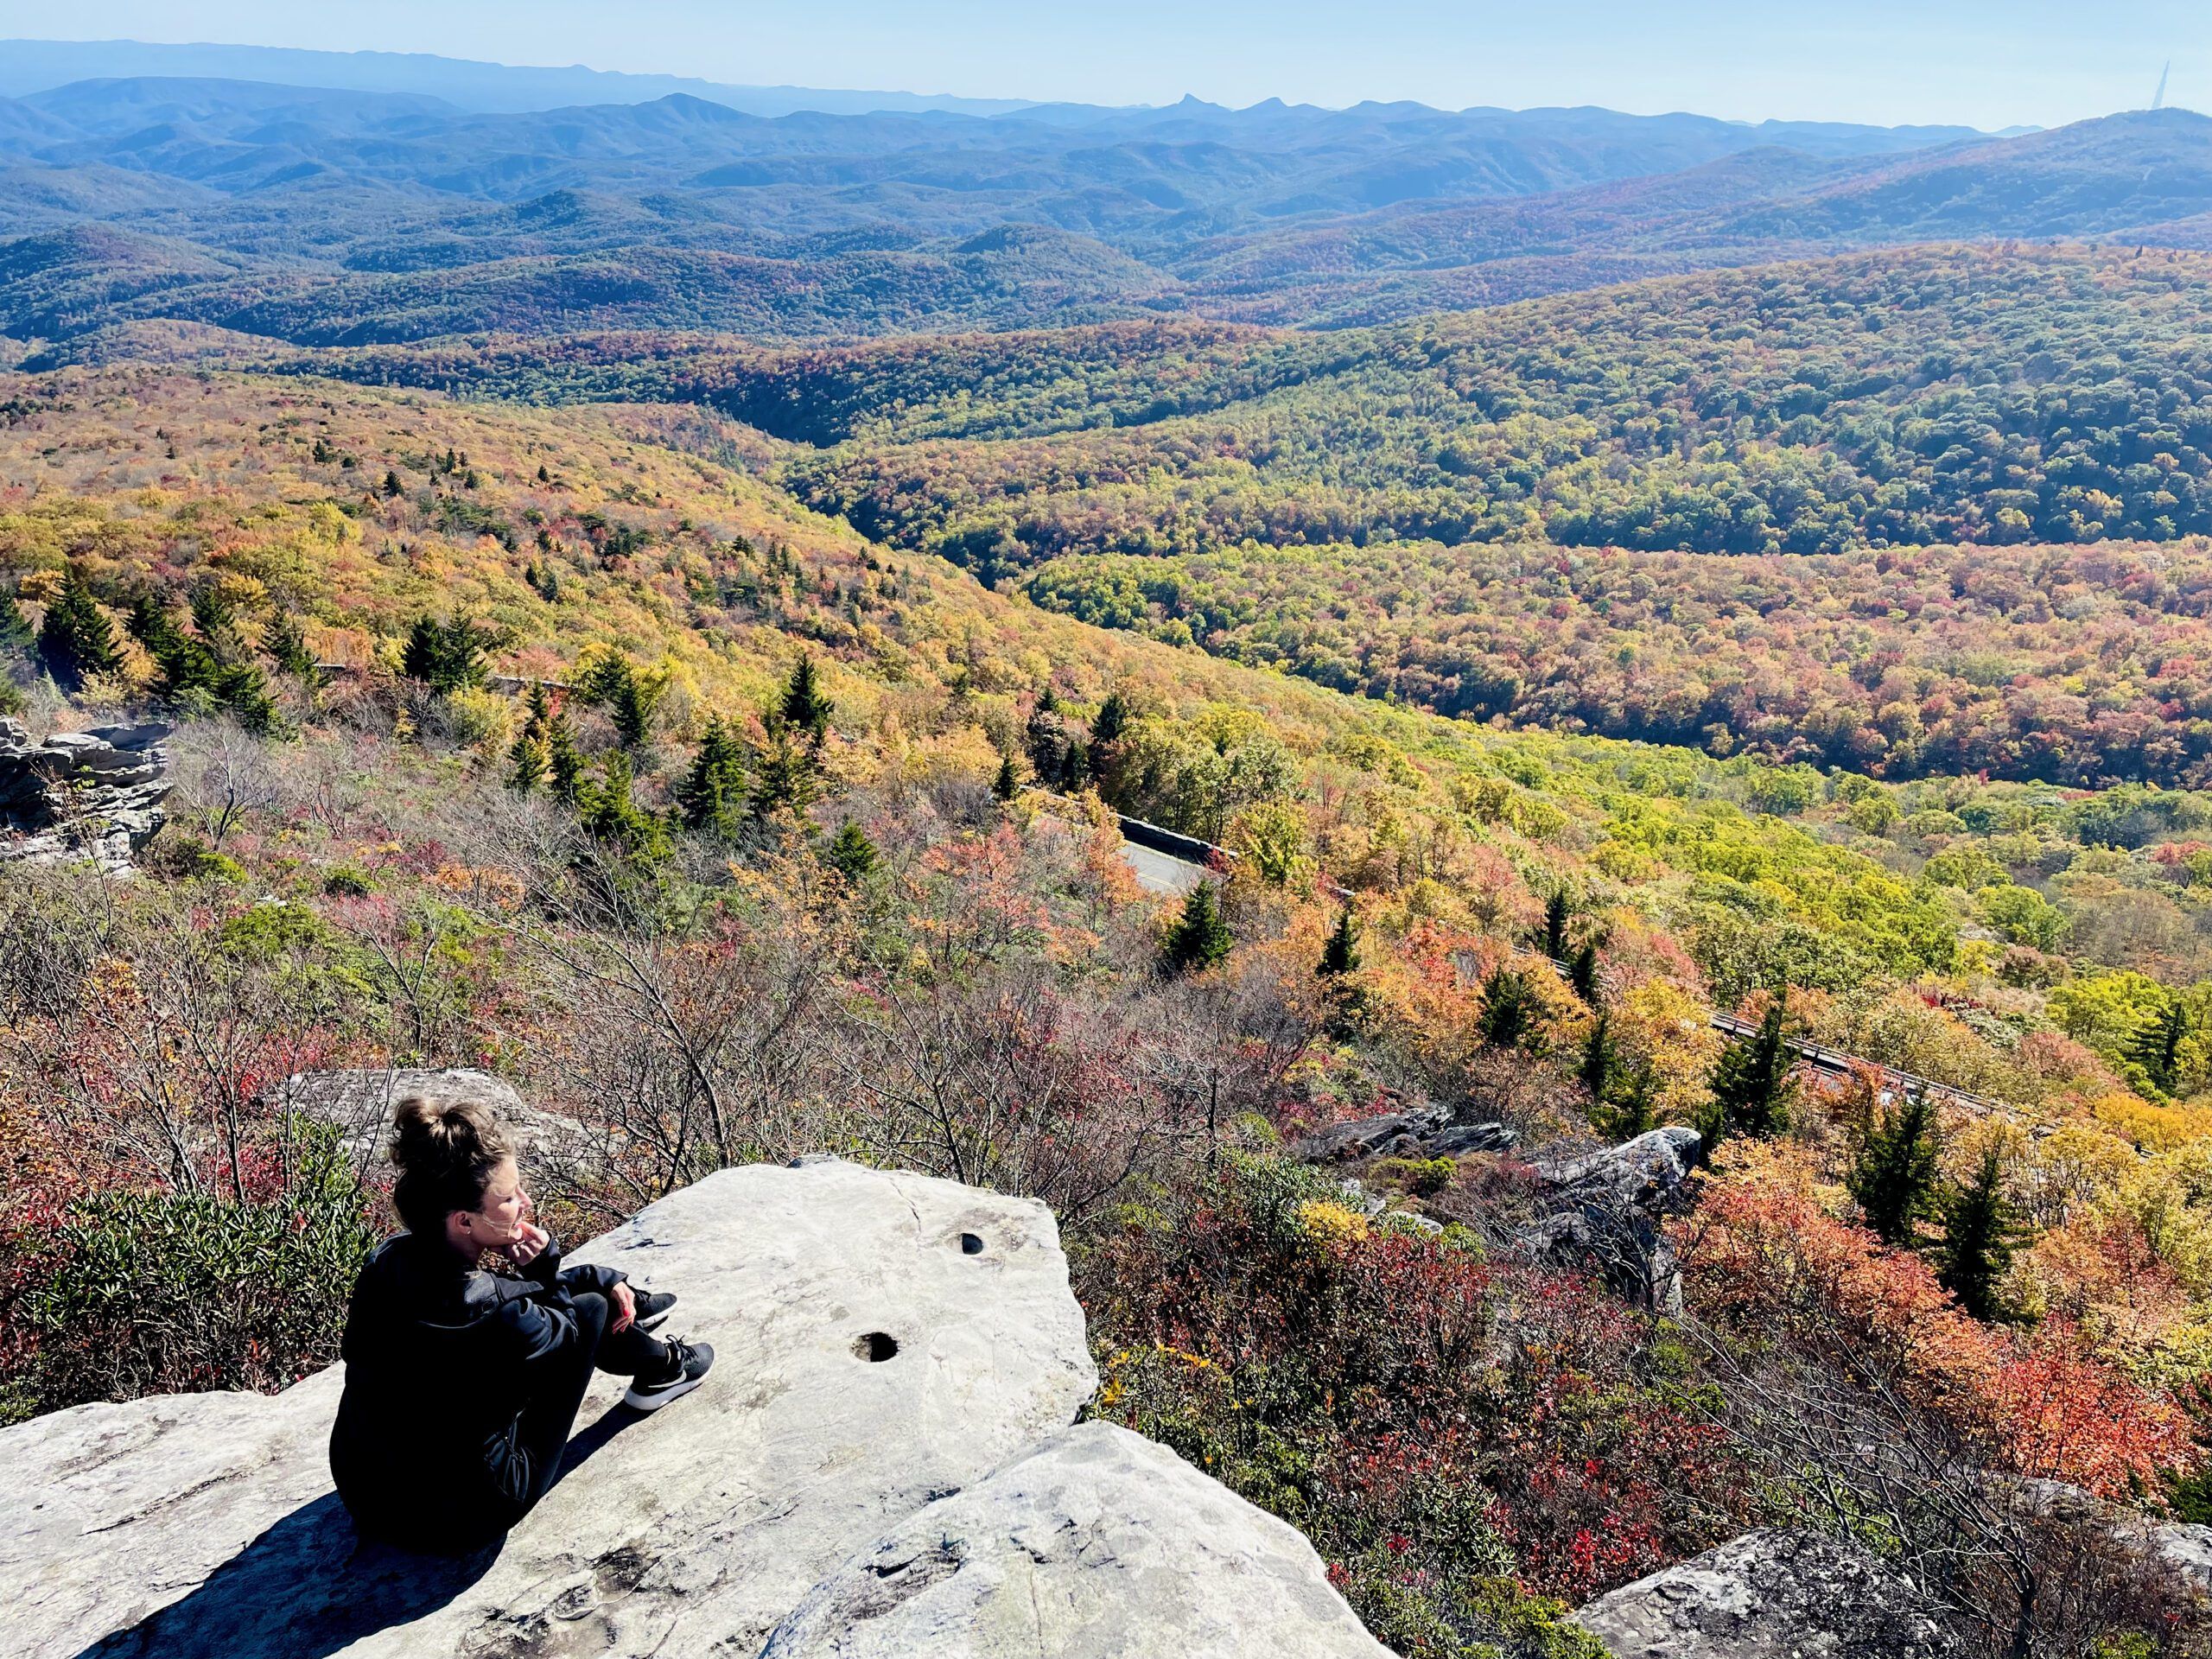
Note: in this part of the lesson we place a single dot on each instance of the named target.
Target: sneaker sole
(659, 1397)
(655, 1322)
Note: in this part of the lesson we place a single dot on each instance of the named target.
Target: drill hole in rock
(876, 1347)
(971, 1244)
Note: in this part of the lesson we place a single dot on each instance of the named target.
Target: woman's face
(498, 1220)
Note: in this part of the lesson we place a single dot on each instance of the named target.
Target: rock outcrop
(94, 795)
(1770, 1595)
(1609, 1208)
(885, 1343)
(1424, 1132)
(358, 1104)
(1097, 1545)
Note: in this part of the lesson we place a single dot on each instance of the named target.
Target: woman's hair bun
(445, 1150)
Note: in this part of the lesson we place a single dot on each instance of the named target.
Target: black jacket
(441, 1359)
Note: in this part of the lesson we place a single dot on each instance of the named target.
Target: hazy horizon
(1890, 63)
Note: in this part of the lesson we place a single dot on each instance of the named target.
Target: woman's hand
(626, 1307)
(530, 1243)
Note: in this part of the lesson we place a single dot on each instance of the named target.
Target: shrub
(160, 1292)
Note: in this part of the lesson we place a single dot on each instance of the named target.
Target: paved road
(1158, 872)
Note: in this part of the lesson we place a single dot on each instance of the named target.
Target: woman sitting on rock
(462, 1384)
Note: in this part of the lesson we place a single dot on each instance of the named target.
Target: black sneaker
(649, 1312)
(688, 1363)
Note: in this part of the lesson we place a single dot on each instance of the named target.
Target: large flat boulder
(1099, 1544)
(1771, 1594)
(358, 1102)
(883, 1340)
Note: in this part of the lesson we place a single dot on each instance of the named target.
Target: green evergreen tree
(1751, 1086)
(1557, 914)
(711, 798)
(1112, 720)
(1509, 1013)
(445, 656)
(76, 640)
(1600, 1062)
(528, 761)
(188, 667)
(1980, 1233)
(217, 626)
(2156, 1046)
(1075, 766)
(631, 706)
(392, 486)
(803, 707)
(1340, 955)
(1893, 1173)
(611, 812)
(1006, 784)
(1199, 937)
(529, 756)
(242, 688)
(851, 853)
(565, 764)
(1630, 1107)
(1582, 974)
(286, 642)
(783, 776)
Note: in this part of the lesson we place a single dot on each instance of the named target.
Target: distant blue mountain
(29, 66)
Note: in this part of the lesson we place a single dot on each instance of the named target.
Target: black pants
(522, 1467)
(450, 1501)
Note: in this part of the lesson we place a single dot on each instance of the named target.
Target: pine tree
(1752, 1084)
(803, 707)
(529, 758)
(711, 798)
(851, 853)
(564, 765)
(1582, 974)
(611, 812)
(1599, 1059)
(445, 656)
(188, 666)
(244, 690)
(631, 707)
(2156, 1046)
(1046, 736)
(1980, 1233)
(1075, 766)
(1199, 937)
(783, 777)
(1557, 914)
(216, 623)
(1894, 1172)
(1508, 1012)
(286, 642)
(392, 486)
(528, 761)
(1340, 955)
(76, 640)
(1112, 720)
(1006, 784)
(1631, 1105)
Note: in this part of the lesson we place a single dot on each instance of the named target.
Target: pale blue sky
(1990, 63)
